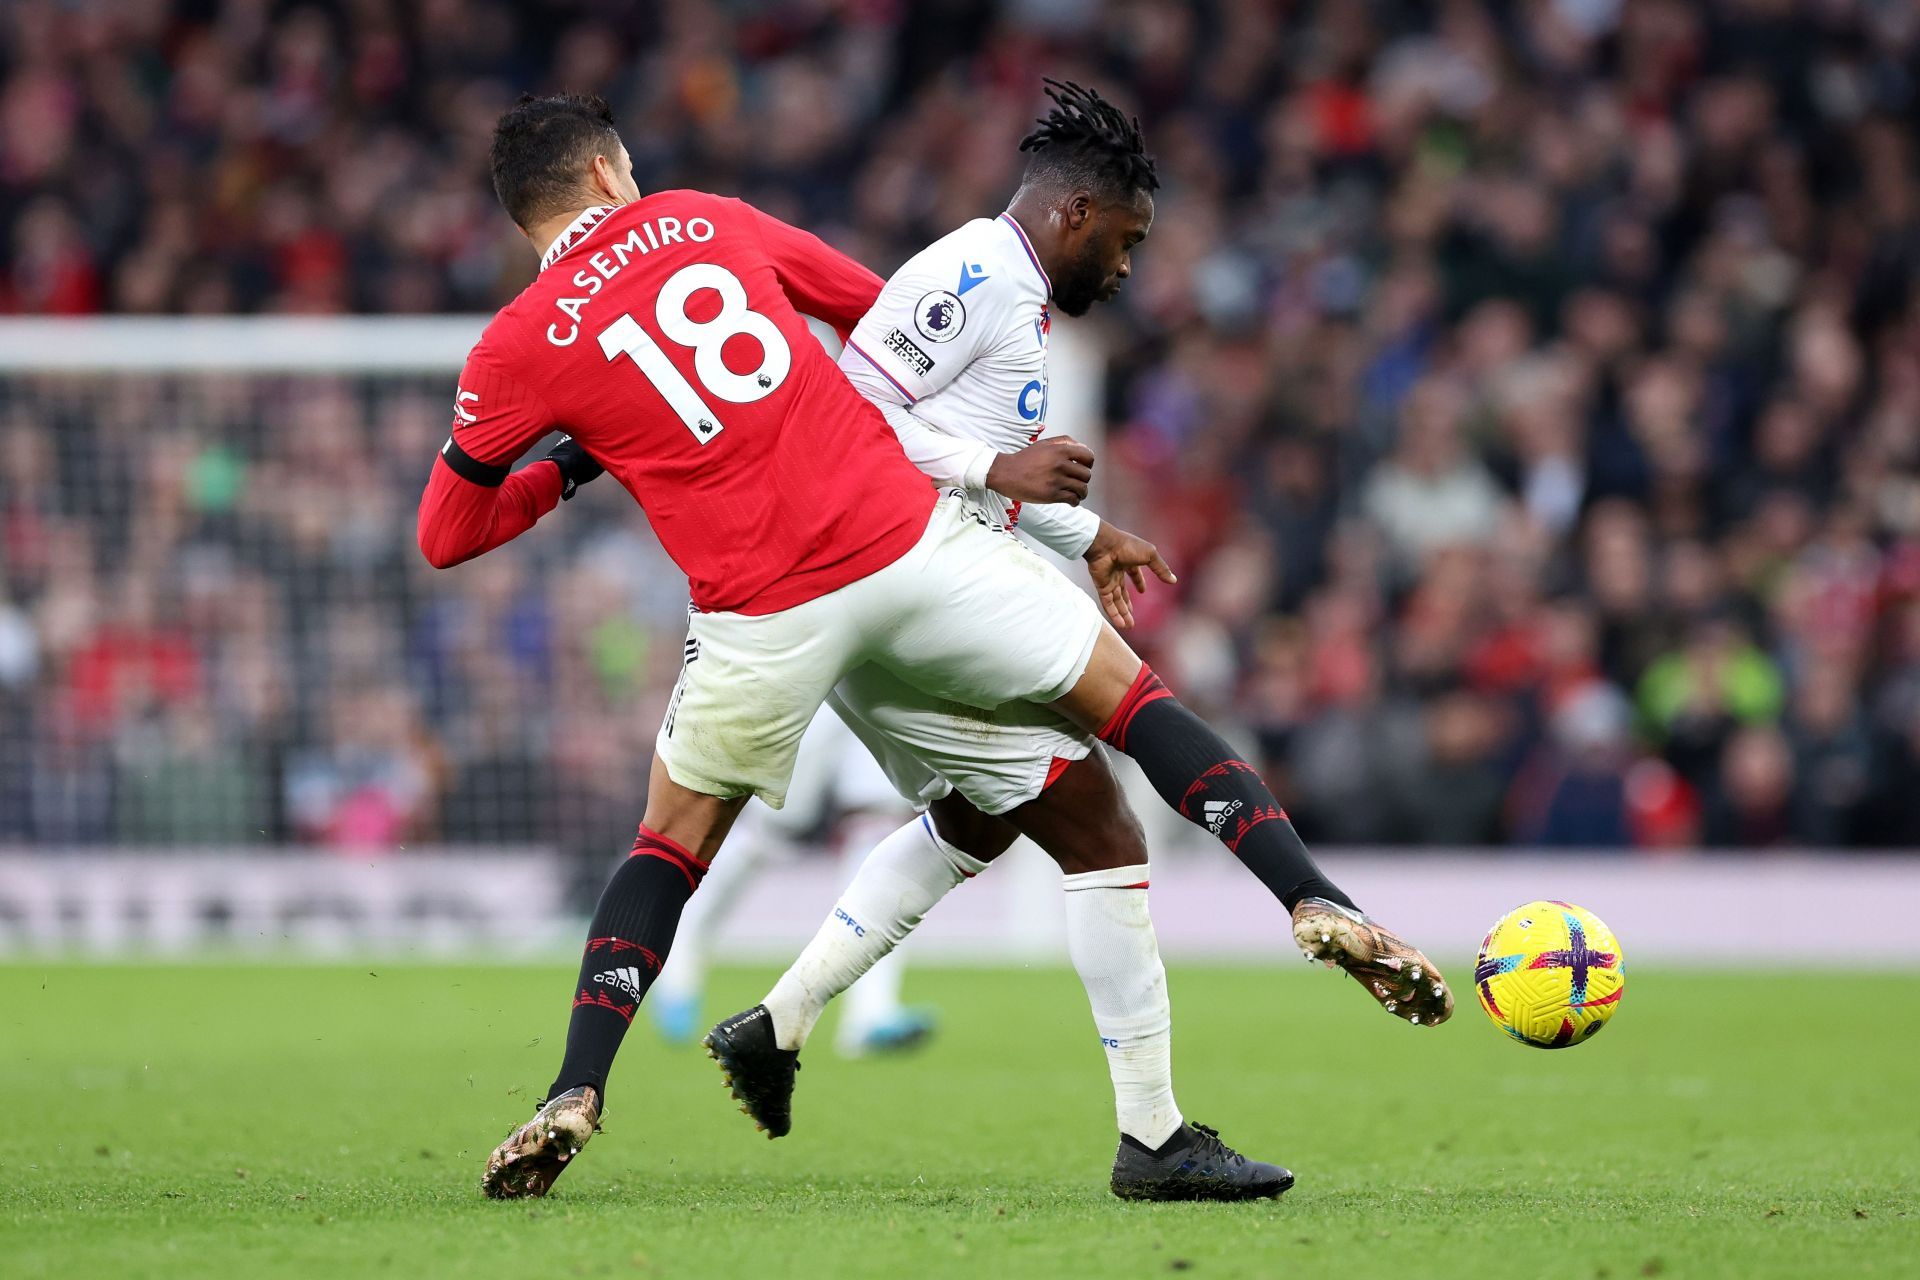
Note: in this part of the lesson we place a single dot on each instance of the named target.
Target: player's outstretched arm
(470, 508)
(472, 504)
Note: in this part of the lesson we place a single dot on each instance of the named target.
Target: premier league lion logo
(939, 316)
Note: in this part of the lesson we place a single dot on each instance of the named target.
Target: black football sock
(1205, 782)
(632, 929)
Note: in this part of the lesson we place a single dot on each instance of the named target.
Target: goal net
(232, 690)
(215, 630)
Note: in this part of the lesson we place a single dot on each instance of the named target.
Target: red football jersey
(666, 337)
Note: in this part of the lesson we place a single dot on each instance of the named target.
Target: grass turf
(265, 1121)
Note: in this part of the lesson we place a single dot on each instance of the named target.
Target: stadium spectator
(1430, 493)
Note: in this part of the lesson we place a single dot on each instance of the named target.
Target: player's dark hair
(541, 150)
(1088, 141)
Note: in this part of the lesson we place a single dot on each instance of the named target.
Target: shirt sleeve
(917, 337)
(472, 504)
(818, 279)
(1062, 529)
(948, 460)
(921, 332)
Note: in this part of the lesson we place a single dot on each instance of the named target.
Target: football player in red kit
(664, 335)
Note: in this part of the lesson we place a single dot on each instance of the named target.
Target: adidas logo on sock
(1217, 812)
(626, 979)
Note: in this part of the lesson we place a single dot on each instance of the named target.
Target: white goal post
(110, 345)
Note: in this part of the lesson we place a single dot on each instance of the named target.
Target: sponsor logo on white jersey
(1032, 403)
(909, 352)
(971, 274)
(1217, 812)
(626, 978)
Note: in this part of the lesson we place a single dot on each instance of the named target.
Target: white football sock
(1110, 937)
(900, 881)
(875, 999)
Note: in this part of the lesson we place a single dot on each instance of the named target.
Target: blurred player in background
(839, 790)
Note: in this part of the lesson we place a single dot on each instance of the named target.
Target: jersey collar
(1021, 233)
(575, 232)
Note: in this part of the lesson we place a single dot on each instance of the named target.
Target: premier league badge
(939, 316)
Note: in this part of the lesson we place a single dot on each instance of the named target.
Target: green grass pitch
(212, 1121)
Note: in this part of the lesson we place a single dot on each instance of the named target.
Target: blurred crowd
(1527, 391)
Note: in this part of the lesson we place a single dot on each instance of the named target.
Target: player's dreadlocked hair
(541, 150)
(1085, 138)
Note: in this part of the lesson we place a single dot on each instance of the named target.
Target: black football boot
(758, 1072)
(1193, 1165)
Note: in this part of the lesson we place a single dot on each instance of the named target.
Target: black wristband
(470, 468)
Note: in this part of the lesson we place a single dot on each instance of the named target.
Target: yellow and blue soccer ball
(1550, 974)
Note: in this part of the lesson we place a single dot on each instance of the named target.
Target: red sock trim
(648, 835)
(614, 946)
(1266, 813)
(1221, 770)
(1146, 687)
(651, 844)
(1141, 885)
(599, 999)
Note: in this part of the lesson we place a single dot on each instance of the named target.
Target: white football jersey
(954, 352)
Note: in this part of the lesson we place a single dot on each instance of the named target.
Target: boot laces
(1210, 1145)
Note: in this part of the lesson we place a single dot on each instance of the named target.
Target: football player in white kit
(954, 353)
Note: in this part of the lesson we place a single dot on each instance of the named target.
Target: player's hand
(576, 465)
(1115, 556)
(1056, 469)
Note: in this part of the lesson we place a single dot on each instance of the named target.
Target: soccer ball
(1550, 974)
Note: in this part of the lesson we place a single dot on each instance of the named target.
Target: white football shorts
(928, 747)
(833, 772)
(969, 616)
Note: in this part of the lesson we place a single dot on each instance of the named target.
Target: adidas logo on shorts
(626, 978)
(1217, 812)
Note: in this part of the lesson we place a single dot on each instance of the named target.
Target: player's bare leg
(1205, 781)
(633, 927)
